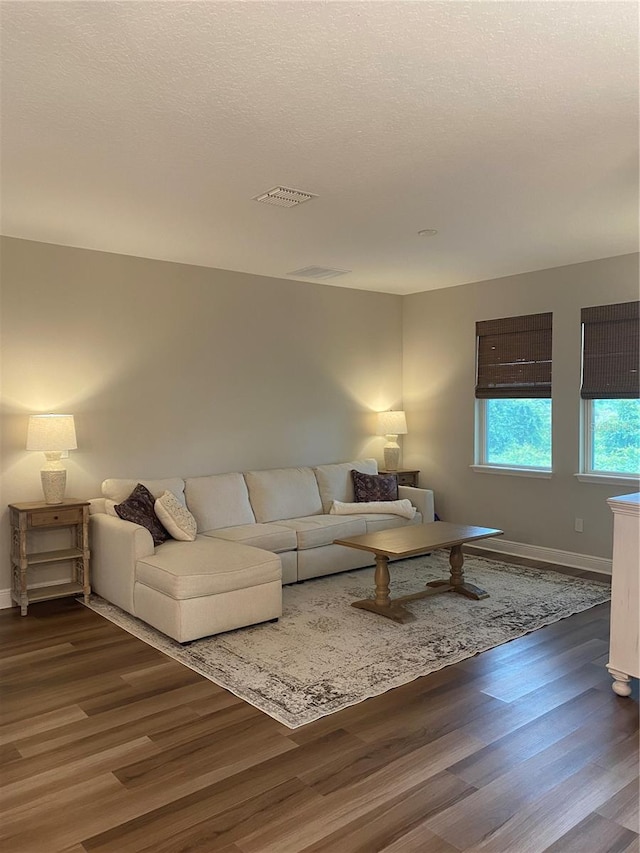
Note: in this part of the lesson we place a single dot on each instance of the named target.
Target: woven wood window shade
(611, 352)
(514, 357)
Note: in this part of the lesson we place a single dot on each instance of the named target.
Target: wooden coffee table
(409, 542)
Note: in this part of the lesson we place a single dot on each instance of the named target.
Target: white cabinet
(624, 654)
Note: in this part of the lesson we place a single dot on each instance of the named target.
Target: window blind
(611, 351)
(514, 357)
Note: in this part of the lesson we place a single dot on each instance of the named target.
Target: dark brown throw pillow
(374, 487)
(138, 507)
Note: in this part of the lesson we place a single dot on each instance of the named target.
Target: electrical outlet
(578, 527)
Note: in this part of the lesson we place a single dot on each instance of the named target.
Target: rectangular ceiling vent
(318, 272)
(284, 197)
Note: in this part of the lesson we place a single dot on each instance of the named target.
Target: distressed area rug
(324, 655)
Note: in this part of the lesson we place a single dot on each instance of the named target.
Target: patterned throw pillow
(138, 507)
(374, 487)
(176, 518)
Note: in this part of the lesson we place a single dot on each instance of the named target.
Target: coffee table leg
(382, 603)
(456, 561)
(382, 580)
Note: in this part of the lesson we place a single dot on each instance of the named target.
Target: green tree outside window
(518, 432)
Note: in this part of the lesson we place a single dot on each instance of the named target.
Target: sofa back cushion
(119, 490)
(283, 493)
(220, 500)
(335, 483)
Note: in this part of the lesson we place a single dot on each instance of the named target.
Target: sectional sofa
(256, 530)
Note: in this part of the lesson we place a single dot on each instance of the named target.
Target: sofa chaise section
(192, 589)
(184, 589)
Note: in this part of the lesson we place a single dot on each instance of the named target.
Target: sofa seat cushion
(375, 521)
(206, 566)
(317, 530)
(271, 537)
(283, 493)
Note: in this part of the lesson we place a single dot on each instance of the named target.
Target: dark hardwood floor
(107, 745)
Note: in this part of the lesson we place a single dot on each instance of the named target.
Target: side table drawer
(407, 480)
(405, 476)
(55, 517)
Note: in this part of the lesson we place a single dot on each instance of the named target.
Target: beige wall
(439, 380)
(181, 370)
(171, 369)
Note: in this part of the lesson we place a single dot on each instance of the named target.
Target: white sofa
(257, 530)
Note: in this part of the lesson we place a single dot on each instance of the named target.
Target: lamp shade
(51, 433)
(392, 423)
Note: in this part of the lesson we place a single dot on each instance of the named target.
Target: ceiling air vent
(284, 197)
(318, 272)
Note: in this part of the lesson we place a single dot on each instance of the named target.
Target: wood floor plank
(484, 811)
(172, 704)
(421, 725)
(624, 807)
(394, 819)
(196, 756)
(594, 832)
(196, 822)
(510, 685)
(544, 821)
(491, 727)
(14, 663)
(419, 840)
(435, 714)
(496, 759)
(349, 803)
(68, 773)
(214, 834)
(116, 805)
(64, 749)
(39, 723)
(239, 784)
(621, 750)
(23, 827)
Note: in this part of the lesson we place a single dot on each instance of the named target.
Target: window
(513, 391)
(611, 389)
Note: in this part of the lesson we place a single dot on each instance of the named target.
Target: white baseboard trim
(547, 555)
(501, 546)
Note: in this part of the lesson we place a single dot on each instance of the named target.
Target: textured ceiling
(146, 128)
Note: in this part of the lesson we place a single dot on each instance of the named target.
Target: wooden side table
(406, 476)
(29, 519)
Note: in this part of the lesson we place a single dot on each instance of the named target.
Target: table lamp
(52, 434)
(391, 425)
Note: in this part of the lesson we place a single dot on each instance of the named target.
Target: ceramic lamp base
(391, 453)
(53, 485)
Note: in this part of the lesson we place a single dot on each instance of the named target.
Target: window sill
(609, 479)
(512, 472)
